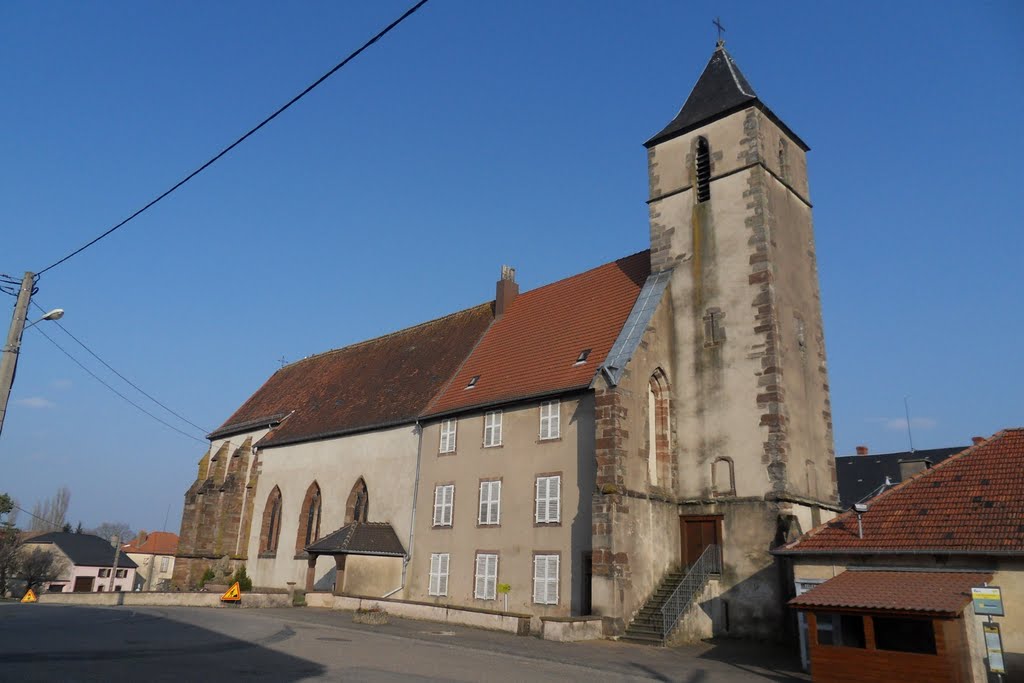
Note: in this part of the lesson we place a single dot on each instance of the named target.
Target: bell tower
(730, 215)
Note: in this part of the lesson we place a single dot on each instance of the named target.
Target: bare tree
(50, 515)
(9, 543)
(39, 566)
(108, 530)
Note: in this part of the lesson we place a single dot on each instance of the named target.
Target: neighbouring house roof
(532, 349)
(971, 503)
(384, 381)
(937, 593)
(858, 476)
(360, 538)
(85, 550)
(155, 543)
(722, 89)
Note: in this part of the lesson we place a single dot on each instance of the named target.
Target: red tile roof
(156, 543)
(384, 381)
(944, 593)
(972, 502)
(532, 349)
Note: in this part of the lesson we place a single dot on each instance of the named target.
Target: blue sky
(477, 134)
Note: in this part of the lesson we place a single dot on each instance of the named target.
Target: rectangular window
(105, 573)
(438, 574)
(549, 493)
(122, 574)
(486, 576)
(545, 579)
(549, 420)
(490, 502)
(905, 635)
(165, 563)
(492, 428)
(448, 436)
(444, 499)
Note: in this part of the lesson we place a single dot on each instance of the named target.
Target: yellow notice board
(233, 594)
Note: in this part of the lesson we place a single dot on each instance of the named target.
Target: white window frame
(547, 507)
(104, 573)
(444, 504)
(489, 510)
(121, 574)
(449, 428)
(485, 578)
(545, 579)
(550, 420)
(439, 563)
(492, 428)
(165, 563)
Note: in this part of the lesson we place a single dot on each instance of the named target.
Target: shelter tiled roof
(971, 503)
(532, 349)
(84, 550)
(943, 593)
(384, 381)
(360, 538)
(155, 543)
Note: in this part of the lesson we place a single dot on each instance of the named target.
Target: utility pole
(116, 540)
(10, 356)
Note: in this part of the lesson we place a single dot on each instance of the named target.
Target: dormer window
(702, 162)
(582, 358)
(472, 382)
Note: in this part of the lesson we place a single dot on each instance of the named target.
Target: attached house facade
(570, 448)
(154, 555)
(884, 592)
(89, 564)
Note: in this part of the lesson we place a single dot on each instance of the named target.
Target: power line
(30, 514)
(237, 142)
(104, 383)
(128, 381)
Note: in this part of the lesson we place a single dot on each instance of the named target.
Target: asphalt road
(61, 643)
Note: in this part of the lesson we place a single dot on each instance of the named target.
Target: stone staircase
(647, 624)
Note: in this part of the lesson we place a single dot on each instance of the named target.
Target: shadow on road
(773, 662)
(40, 643)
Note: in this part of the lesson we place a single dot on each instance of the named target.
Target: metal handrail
(709, 562)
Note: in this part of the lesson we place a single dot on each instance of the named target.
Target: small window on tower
(783, 160)
(703, 166)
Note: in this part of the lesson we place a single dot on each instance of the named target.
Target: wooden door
(696, 534)
(83, 584)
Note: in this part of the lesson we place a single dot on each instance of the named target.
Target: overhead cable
(132, 384)
(239, 141)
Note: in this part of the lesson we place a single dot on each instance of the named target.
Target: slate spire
(721, 90)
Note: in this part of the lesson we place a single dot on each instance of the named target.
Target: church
(583, 448)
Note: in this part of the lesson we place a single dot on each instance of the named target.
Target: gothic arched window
(783, 159)
(702, 163)
(358, 507)
(658, 430)
(723, 477)
(309, 517)
(271, 530)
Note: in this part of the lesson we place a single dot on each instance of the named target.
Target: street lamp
(9, 363)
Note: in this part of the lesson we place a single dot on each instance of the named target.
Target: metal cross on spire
(717, 23)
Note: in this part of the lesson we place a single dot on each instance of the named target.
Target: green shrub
(208, 575)
(244, 582)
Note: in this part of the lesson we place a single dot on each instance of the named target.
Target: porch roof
(941, 593)
(360, 538)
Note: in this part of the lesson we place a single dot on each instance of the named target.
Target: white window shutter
(496, 498)
(554, 499)
(492, 576)
(442, 581)
(539, 575)
(484, 491)
(447, 505)
(438, 500)
(434, 562)
(481, 577)
(553, 580)
(541, 507)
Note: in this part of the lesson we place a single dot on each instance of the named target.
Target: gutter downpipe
(412, 516)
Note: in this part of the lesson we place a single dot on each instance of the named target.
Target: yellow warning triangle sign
(233, 594)
(30, 596)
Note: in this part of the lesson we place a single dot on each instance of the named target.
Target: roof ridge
(393, 333)
(582, 273)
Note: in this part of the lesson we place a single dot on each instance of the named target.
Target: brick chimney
(862, 450)
(977, 440)
(141, 538)
(506, 291)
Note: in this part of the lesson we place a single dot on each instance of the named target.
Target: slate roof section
(722, 89)
(156, 543)
(972, 503)
(860, 475)
(360, 538)
(933, 593)
(376, 383)
(85, 550)
(632, 331)
(531, 350)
